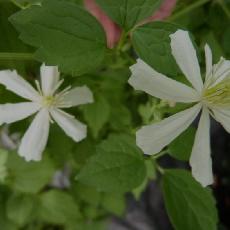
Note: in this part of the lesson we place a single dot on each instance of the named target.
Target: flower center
(48, 101)
(219, 94)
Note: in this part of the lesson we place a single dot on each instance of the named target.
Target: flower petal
(220, 71)
(200, 159)
(208, 59)
(35, 139)
(156, 84)
(223, 116)
(77, 96)
(10, 113)
(49, 79)
(153, 138)
(18, 85)
(186, 57)
(72, 127)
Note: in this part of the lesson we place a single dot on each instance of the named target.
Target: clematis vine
(212, 97)
(48, 103)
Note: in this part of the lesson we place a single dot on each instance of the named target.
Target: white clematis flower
(211, 97)
(47, 102)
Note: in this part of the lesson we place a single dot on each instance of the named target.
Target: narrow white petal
(10, 113)
(49, 78)
(35, 139)
(200, 159)
(223, 116)
(77, 96)
(153, 138)
(72, 127)
(220, 71)
(156, 84)
(208, 59)
(186, 57)
(18, 85)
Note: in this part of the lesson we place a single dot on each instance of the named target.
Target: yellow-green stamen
(219, 94)
(48, 101)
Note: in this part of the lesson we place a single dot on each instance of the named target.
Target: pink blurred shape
(113, 31)
(165, 10)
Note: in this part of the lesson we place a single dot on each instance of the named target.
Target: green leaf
(137, 192)
(91, 212)
(127, 13)
(151, 169)
(58, 207)
(3, 160)
(29, 177)
(25, 3)
(20, 208)
(97, 114)
(59, 146)
(87, 194)
(192, 20)
(212, 41)
(150, 175)
(114, 165)
(28, 3)
(217, 19)
(65, 35)
(189, 205)
(120, 117)
(114, 203)
(226, 41)
(89, 226)
(82, 151)
(9, 43)
(5, 223)
(181, 147)
(152, 44)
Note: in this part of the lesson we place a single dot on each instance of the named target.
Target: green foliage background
(99, 171)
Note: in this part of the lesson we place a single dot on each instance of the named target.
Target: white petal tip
(49, 66)
(81, 134)
(204, 181)
(204, 177)
(143, 141)
(72, 127)
(132, 68)
(138, 62)
(30, 156)
(131, 81)
(178, 33)
(206, 46)
(88, 92)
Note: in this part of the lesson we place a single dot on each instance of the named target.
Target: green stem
(162, 153)
(16, 56)
(18, 4)
(225, 8)
(188, 9)
(160, 169)
(121, 42)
